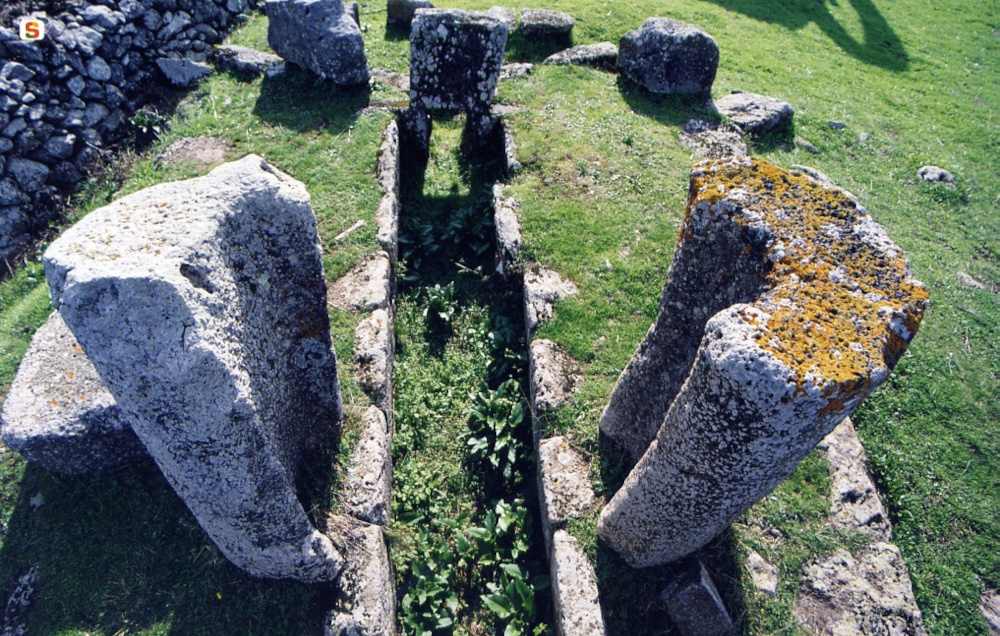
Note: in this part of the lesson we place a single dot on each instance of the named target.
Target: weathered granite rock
(935, 174)
(694, 605)
(455, 59)
(868, 592)
(603, 55)
(755, 113)
(989, 605)
(368, 487)
(763, 573)
(968, 281)
(506, 16)
(373, 353)
(243, 60)
(710, 140)
(58, 412)
(366, 604)
(388, 160)
(399, 13)
(201, 304)
(514, 71)
(855, 503)
(574, 588)
(564, 483)
(318, 35)
(543, 23)
(387, 225)
(365, 287)
(542, 288)
(509, 149)
(553, 375)
(785, 306)
(507, 228)
(668, 56)
(352, 9)
(183, 73)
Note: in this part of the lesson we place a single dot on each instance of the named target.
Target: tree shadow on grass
(301, 101)
(117, 551)
(879, 46)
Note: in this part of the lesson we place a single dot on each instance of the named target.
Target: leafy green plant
(492, 429)
(507, 356)
(469, 230)
(504, 535)
(430, 604)
(512, 600)
(441, 307)
(148, 125)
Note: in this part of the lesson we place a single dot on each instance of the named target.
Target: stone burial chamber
(785, 305)
(201, 304)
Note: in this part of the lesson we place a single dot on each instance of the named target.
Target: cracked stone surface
(710, 140)
(603, 55)
(366, 604)
(366, 287)
(755, 113)
(368, 489)
(373, 353)
(553, 374)
(515, 70)
(574, 588)
(564, 476)
(544, 23)
(243, 60)
(855, 504)
(508, 229)
(542, 288)
(989, 605)
(724, 396)
(201, 304)
(763, 573)
(58, 411)
(669, 56)
(867, 592)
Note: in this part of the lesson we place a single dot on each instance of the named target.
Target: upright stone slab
(784, 307)
(669, 56)
(455, 59)
(58, 412)
(201, 303)
(319, 35)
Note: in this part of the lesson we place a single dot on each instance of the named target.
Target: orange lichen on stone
(841, 301)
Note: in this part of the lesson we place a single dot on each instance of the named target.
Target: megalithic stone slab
(319, 35)
(201, 303)
(669, 56)
(58, 412)
(455, 59)
(801, 305)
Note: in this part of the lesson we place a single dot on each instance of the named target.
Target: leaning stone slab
(366, 604)
(243, 60)
(694, 605)
(542, 288)
(785, 305)
(755, 113)
(868, 592)
(668, 56)
(318, 35)
(855, 502)
(574, 589)
(58, 412)
(543, 23)
(603, 55)
(201, 304)
(368, 489)
(553, 374)
(455, 59)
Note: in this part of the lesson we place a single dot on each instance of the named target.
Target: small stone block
(694, 605)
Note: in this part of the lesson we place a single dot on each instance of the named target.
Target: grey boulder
(669, 56)
(319, 35)
(543, 23)
(201, 304)
(58, 412)
(755, 113)
(183, 73)
(603, 55)
(243, 60)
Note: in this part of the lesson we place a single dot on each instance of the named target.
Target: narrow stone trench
(467, 545)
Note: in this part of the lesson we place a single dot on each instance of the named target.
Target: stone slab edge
(368, 602)
(574, 582)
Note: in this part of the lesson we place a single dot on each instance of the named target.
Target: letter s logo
(32, 29)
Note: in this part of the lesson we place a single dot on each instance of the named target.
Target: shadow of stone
(522, 49)
(669, 110)
(880, 45)
(395, 33)
(117, 551)
(301, 101)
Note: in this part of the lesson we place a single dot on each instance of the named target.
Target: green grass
(604, 183)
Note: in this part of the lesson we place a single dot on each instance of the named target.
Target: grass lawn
(602, 194)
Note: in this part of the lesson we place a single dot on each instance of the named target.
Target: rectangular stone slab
(201, 304)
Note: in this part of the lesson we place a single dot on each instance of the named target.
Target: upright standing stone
(319, 35)
(668, 56)
(399, 13)
(201, 303)
(784, 307)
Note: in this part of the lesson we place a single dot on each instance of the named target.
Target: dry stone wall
(786, 305)
(66, 98)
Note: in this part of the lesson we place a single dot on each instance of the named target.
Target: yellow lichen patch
(842, 306)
